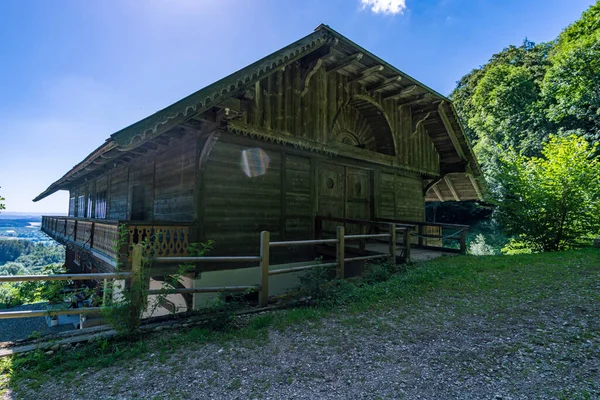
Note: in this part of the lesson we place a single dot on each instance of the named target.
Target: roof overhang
(429, 108)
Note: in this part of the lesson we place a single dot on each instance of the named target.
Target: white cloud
(391, 7)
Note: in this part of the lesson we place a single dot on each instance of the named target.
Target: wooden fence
(136, 274)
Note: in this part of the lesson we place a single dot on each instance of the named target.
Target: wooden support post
(362, 243)
(263, 298)
(393, 243)
(406, 239)
(136, 286)
(340, 252)
(104, 293)
(420, 233)
(463, 241)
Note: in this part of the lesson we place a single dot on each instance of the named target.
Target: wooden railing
(431, 235)
(160, 238)
(59, 277)
(364, 227)
(264, 259)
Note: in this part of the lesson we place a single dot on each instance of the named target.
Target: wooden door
(343, 192)
(358, 193)
(330, 192)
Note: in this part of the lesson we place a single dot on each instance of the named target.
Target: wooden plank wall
(238, 207)
(167, 180)
(175, 182)
(298, 204)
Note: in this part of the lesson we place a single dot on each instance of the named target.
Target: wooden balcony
(111, 238)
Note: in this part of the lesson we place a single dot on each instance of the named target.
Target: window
(100, 205)
(72, 207)
(88, 212)
(81, 207)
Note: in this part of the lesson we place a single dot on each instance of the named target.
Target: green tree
(551, 202)
(571, 87)
(2, 206)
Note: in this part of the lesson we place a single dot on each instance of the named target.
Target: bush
(550, 203)
(479, 247)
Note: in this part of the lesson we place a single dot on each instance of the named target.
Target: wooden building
(320, 127)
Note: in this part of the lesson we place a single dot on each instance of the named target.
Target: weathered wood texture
(336, 111)
(237, 207)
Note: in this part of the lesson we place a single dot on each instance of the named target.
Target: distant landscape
(24, 250)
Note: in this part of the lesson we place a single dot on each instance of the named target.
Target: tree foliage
(551, 202)
(525, 93)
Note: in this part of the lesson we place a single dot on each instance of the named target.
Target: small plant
(479, 247)
(379, 272)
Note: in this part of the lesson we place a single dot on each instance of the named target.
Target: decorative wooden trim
(402, 93)
(451, 132)
(451, 187)
(312, 69)
(344, 62)
(419, 123)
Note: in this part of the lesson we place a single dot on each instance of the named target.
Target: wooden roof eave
(152, 126)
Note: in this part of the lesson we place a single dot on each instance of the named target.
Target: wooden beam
(344, 62)
(385, 83)
(475, 186)
(451, 132)
(451, 187)
(437, 193)
(402, 93)
(365, 73)
(424, 99)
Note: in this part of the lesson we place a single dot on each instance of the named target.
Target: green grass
(448, 280)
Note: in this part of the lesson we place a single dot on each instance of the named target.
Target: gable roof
(444, 128)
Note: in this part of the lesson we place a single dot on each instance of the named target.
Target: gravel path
(21, 328)
(492, 341)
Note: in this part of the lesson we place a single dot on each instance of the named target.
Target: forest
(532, 115)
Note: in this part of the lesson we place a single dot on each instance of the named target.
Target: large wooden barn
(320, 127)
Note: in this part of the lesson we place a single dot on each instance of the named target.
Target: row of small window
(84, 209)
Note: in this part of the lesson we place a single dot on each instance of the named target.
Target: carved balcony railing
(161, 238)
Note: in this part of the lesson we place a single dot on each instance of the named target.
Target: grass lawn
(523, 326)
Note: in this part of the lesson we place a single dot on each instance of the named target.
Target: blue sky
(73, 72)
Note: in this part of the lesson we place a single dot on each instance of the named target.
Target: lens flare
(254, 162)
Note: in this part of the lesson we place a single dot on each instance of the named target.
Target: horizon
(66, 93)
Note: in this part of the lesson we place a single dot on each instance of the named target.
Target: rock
(158, 328)
(185, 325)
(55, 347)
(49, 352)
(176, 326)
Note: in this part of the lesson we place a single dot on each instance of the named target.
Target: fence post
(393, 243)
(263, 298)
(104, 292)
(406, 239)
(463, 241)
(136, 285)
(420, 233)
(340, 252)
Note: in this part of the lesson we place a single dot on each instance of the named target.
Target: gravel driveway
(497, 341)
